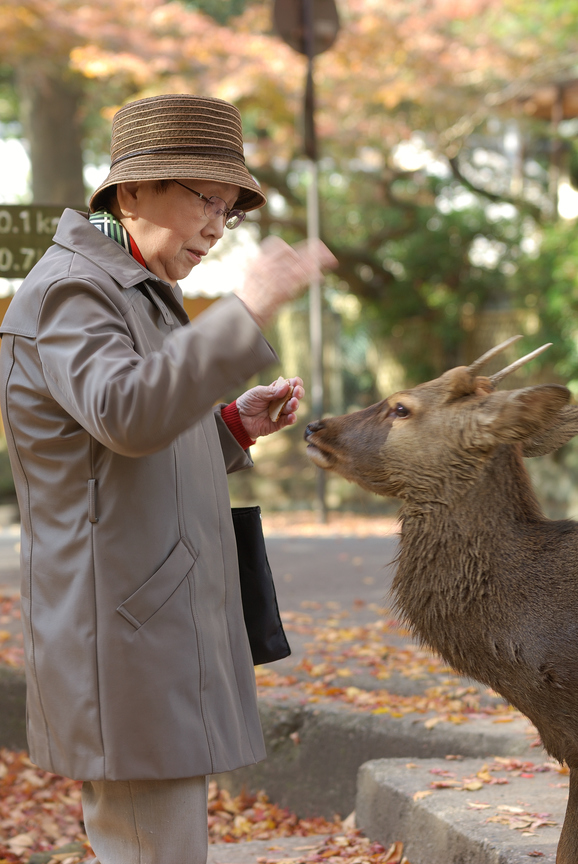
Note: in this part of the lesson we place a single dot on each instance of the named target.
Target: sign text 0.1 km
(26, 232)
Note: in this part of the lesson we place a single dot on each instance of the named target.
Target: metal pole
(315, 319)
(316, 329)
(315, 296)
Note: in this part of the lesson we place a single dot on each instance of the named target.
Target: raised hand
(280, 273)
(253, 406)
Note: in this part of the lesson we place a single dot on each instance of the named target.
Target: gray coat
(137, 659)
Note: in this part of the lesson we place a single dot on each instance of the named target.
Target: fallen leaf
(394, 854)
(484, 775)
(473, 786)
(423, 793)
(349, 821)
(281, 860)
(20, 842)
(446, 784)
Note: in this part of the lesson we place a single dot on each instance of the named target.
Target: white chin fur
(317, 456)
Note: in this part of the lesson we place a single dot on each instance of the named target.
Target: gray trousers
(147, 821)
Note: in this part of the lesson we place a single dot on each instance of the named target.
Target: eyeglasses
(216, 207)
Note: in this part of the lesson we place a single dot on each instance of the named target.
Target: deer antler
(475, 367)
(495, 379)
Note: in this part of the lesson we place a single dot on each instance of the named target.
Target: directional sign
(26, 232)
(292, 18)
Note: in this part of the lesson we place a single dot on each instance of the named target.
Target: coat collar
(75, 233)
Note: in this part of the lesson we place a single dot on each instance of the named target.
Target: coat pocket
(155, 592)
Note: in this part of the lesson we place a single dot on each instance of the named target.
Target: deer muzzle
(313, 436)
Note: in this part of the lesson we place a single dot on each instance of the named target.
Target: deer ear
(516, 415)
(562, 429)
(483, 386)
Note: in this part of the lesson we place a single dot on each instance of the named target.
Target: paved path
(9, 558)
(331, 569)
(345, 578)
(318, 575)
(306, 569)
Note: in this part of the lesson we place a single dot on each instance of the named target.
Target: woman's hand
(253, 406)
(280, 273)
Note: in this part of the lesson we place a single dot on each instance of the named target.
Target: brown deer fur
(482, 577)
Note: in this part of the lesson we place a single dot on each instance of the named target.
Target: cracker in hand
(277, 405)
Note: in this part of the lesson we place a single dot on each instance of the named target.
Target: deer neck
(489, 493)
(454, 548)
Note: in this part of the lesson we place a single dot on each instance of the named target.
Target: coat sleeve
(137, 405)
(235, 457)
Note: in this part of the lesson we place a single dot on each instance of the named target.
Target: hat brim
(189, 167)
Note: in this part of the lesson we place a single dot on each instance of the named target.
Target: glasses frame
(230, 214)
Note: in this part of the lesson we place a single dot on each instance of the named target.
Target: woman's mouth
(196, 255)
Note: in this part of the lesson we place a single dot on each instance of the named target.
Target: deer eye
(400, 410)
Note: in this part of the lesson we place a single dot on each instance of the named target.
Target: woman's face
(170, 227)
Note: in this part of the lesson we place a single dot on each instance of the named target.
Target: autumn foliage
(395, 67)
(41, 817)
(41, 822)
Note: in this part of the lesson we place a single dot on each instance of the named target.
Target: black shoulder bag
(261, 612)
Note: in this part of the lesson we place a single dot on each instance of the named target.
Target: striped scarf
(111, 227)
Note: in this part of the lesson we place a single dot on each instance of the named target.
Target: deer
(483, 577)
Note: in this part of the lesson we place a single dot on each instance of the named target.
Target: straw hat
(180, 136)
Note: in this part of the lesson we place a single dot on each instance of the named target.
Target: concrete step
(278, 849)
(12, 708)
(496, 812)
(325, 759)
(314, 750)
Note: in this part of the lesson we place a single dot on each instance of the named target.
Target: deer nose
(311, 428)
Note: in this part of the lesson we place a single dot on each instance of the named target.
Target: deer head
(417, 441)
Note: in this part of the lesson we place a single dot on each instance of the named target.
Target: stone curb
(315, 750)
(250, 851)
(326, 759)
(444, 828)
(12, 709)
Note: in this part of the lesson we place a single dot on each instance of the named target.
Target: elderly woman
(139, 673)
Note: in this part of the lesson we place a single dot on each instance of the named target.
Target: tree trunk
(50, 115)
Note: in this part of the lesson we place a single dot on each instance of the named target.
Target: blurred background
(445, 156)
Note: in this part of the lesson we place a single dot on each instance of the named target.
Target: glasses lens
(235, 218)
(215, 207)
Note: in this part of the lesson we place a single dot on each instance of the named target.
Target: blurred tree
(408, 84)
(391, 68)
(220, 10)
(72, 63)
(435, 154)
(48, 94)
(546, 283)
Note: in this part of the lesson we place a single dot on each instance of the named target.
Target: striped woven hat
(180, 136)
